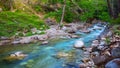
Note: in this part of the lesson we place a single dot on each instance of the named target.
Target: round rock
(115, 63)
(115, 52)
(79, 44)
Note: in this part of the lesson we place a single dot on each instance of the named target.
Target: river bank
(67, 31)
(104, 51)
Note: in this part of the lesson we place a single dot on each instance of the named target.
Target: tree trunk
(63, 13)
(110, 8)
(118, 6)
(114, 8)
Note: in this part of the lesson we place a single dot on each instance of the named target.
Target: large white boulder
(79, 44)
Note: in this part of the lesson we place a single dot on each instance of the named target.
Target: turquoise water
(43, 56)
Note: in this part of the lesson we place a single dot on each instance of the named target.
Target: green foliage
(12, 22)
(56, 15)
(107, 40)
(116, 21)
(29, 34)
(37, 8)
(91, 9)
(116, 29)
(69, 17)
(117, 32)
(105, 16)
(50, 14)
(94, 9)
(42, 32)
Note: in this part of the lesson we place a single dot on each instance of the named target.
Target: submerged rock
(62, 55)
(72, 65)
(15, 56)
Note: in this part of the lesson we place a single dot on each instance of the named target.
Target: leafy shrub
(117, 32)
(116, 21)
(37, 8)
(94, 9)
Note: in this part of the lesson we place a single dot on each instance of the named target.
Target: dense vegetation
(21, 16)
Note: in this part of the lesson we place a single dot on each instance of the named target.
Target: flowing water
(43, 56)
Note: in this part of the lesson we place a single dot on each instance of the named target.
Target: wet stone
(85, 60)
(44, 42)
(79, 44)
(98, 60)
(95, 49)
(95, 43)
(95, 53)
(100, 47)
(83, 65)
(115, 63)
(115, 52)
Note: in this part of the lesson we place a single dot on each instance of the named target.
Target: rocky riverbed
(102, 52)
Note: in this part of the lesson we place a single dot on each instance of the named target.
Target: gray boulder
(115, 52)
(115, 63)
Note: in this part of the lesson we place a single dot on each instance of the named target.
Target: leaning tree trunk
(63, 13)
